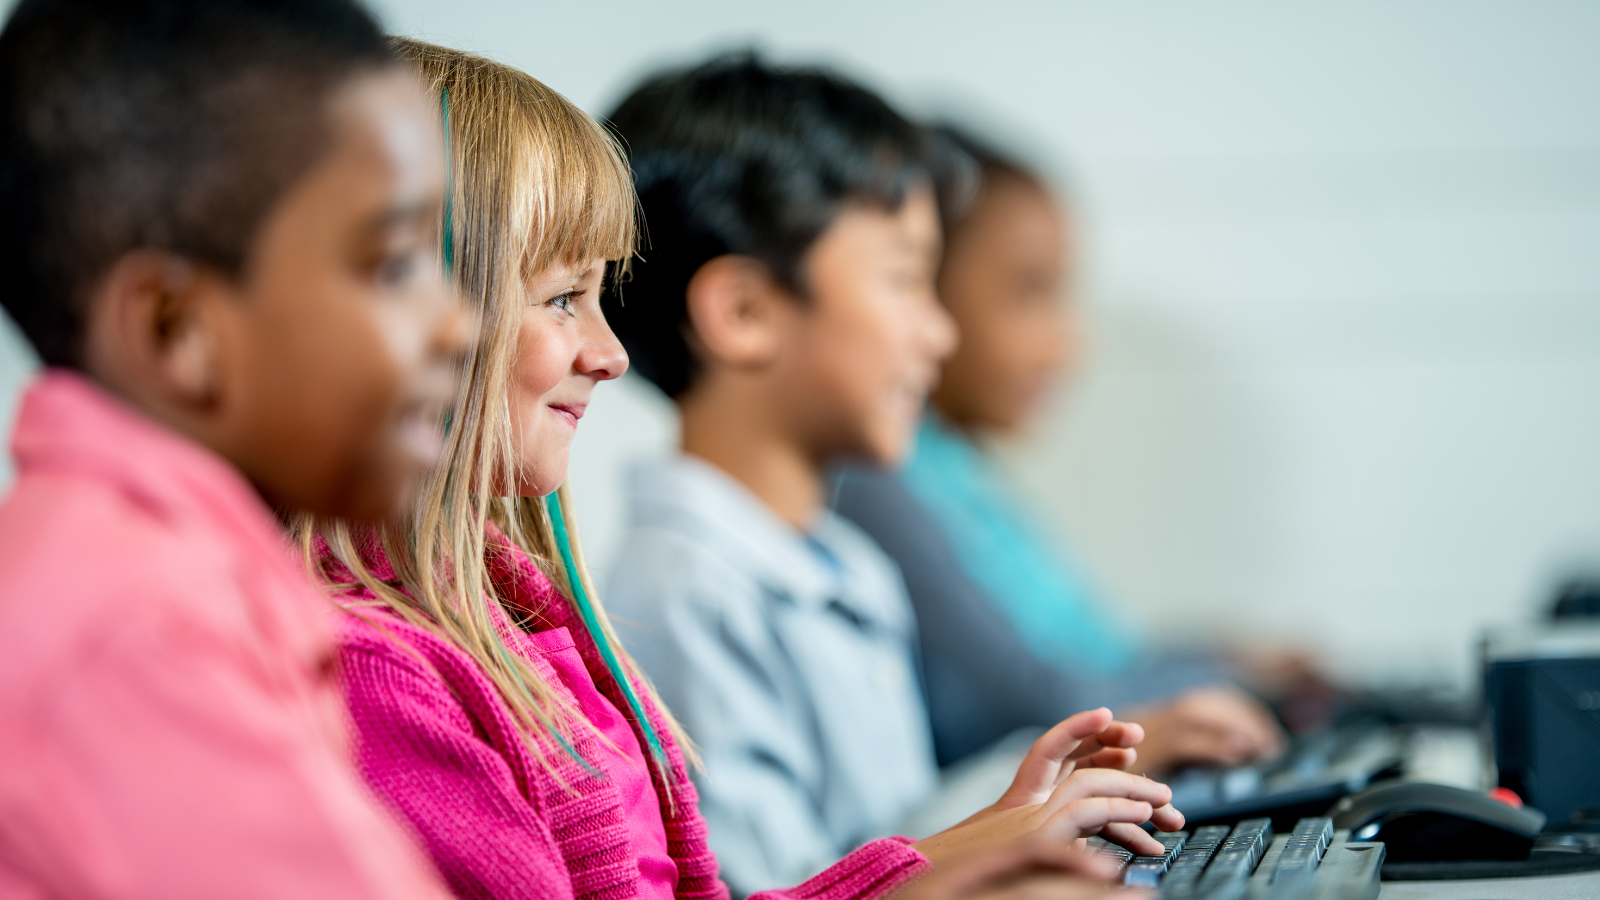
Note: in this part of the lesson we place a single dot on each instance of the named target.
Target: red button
(1506, 796)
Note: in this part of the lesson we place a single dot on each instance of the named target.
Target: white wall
(1341, 264)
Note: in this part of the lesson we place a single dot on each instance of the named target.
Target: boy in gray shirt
(786, 304)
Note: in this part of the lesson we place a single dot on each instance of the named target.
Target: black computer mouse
(1420, 822)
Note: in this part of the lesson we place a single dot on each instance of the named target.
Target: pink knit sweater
(436, 742)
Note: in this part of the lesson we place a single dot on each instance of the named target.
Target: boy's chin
(387, 497)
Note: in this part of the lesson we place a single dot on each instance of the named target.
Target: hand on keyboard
(1206, 726)
(1064, 790)
(1088, 740)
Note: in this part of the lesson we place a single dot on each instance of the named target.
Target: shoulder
(85, 543)
(660, 566)
(876, 500)
(377, 645)
(367, 627)
(84, 566)
(679, 605)
(400, 678)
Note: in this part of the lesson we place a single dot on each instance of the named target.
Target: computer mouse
(1420, 822)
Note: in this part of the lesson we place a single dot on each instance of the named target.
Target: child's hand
(1087, 740)
(1024, 870)
(1207, 726)
(1067, 788)
(1089, 801)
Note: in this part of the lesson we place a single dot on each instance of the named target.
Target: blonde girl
(494, 710)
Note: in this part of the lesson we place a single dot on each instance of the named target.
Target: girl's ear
(152, 333)
(736, 312)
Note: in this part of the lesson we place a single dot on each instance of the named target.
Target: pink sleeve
(175, 764)
(874, 870)
(420, 752)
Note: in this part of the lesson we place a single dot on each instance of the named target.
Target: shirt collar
(69, 425)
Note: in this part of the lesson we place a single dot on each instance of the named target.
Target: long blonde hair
(534, 182)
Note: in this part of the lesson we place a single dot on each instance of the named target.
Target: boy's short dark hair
(165, 124)
(738, 156)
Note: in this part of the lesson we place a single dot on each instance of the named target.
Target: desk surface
(1583, 886)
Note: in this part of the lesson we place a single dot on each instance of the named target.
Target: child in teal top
(1048, 600)
(998, 606)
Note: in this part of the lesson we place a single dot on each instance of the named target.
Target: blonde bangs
(584, 193)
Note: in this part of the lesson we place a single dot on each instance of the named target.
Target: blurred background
(1341, 265)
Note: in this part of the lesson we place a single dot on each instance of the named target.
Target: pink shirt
(169, 720)
(623, 763)
(435, 739)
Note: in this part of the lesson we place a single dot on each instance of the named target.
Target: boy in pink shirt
(218, 224)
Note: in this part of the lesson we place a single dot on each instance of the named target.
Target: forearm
(874, 870)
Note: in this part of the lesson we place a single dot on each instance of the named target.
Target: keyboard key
(1229, 865)
(1145, 874)
(1303, 851)
(1120, 856)
(1321, 827)
(1195, 858)
(1161, 861)
(1180, 883)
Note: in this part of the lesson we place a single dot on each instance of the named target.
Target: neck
(952, 416)
(742, 437)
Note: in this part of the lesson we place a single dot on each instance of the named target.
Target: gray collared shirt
(788, 658)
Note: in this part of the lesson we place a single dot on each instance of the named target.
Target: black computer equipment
(1578, 598)
(1306, 780)
(1542, 700)
(1247, 862)
(1429, 822)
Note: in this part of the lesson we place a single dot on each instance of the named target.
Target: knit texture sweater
(437, 743)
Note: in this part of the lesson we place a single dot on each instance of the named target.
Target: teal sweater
(1003, 550)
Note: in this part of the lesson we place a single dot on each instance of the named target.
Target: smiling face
(1003, 278)
(563, 349)
(866, 343)
(340, 342)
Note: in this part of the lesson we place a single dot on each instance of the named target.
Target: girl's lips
(569, 412)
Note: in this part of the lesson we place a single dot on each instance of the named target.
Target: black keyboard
(1247, 862)
(1307, 780)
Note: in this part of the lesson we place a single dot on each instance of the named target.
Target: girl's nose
(601, 356)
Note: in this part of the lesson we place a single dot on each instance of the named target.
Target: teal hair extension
(448, 239)
(580, 598)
